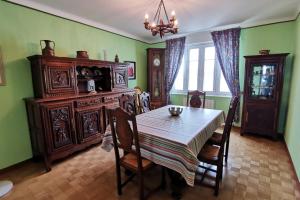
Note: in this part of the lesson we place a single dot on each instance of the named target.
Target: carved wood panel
(260, 118)
(59, 123)
(59, 78)
(89, 124)
(88, 102)
(120, 77)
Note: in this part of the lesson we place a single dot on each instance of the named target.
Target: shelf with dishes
(93, 79)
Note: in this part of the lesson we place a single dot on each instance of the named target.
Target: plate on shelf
(85, 72)
(97, 72)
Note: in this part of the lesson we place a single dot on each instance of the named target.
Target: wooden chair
(216, 138)
(138, 92)
(212, 154)
(128, 103)
(126, 137)
(195, 99)
(145, 102)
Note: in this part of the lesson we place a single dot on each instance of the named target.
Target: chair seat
(209, 153)
(130, 160)
(215, 139)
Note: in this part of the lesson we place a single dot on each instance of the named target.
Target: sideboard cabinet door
(59, 78)
(89, 124)
(58, 124)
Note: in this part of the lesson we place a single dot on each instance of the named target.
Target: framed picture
(2, 74)
(131, 70)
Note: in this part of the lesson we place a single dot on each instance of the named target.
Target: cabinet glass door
(262, 81)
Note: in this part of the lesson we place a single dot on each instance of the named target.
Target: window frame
(201, 60)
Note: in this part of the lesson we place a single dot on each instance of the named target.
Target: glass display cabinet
(262, 93)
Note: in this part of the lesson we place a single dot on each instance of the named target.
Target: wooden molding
(291, 161)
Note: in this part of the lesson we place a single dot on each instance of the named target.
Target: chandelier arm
(158, 11)
(158, 16)
(165, 11)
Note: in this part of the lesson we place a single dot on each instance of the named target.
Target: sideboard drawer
(111, 99)
(88, 102)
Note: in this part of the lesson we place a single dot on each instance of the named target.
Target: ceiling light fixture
(158, 25)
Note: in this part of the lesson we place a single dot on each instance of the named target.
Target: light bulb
(175, 22)
(153, 24)
(146, 17)
(173, 13)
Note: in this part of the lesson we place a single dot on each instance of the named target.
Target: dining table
(174, 141)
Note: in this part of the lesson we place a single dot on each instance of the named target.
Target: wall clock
(156, 62)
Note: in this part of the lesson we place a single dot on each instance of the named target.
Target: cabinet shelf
(263, 75)
(87, 79)
(263, 87)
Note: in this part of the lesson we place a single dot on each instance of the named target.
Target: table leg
(177, 184)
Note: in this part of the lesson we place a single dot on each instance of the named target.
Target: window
(200, 70)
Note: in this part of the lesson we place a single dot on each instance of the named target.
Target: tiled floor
(258, 168)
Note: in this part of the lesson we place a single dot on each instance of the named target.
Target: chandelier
(158, 25)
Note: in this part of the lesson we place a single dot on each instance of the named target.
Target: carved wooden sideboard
(64, 117)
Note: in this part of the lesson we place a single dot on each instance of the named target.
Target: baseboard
(291, 161)
(15, 166)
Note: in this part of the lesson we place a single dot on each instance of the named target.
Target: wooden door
(89, 124)
(58, 124)
(59, 78)
(260, 118)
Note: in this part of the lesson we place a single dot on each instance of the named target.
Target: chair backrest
(145, 102)
(137, 93)
(124, 133)
(128, 103)
(229, 119)
(137, 90)
(194, 99)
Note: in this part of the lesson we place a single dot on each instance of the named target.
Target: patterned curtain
(173, 57)
(227, 44)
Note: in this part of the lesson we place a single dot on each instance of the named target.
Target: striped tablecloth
(174, 142)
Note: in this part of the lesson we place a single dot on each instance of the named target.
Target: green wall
(292, 134)
(20, 31)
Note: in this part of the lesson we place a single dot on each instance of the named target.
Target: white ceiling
(126, 17)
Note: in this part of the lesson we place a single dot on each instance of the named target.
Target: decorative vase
(116, 58)
(264, 51)
(47, 50)
(5, 187)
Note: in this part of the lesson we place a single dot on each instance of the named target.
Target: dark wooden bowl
(82, 54)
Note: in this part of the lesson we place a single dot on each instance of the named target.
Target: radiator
(209, 103)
